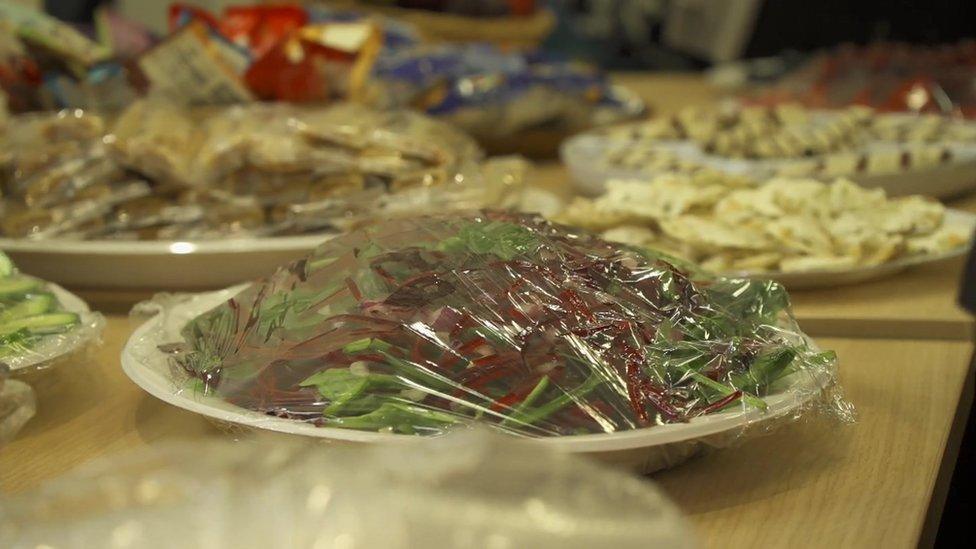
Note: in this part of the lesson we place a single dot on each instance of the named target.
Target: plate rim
(883, 268)
(165, 247)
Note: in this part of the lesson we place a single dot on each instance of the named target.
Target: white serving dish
(830, 278)
(156, 265)
(641, 449)
(584, 153)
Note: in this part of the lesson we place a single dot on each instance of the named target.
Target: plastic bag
(163, 172)
(472, 490)
(421, 325)
(17, 406)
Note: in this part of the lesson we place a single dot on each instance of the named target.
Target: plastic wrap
(470, 490)
(17, 406)
(40, 323)
(159, 172)
(420, 325)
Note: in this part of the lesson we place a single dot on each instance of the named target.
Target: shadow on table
(758, 468)
(156, 421)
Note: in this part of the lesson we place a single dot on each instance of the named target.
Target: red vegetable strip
(383, 274)
(722, 402)
(354, 289)
(634, 393)
(470, 346)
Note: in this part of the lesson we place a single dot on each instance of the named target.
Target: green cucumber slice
(17, 285)
(50, 323)
(31, 306)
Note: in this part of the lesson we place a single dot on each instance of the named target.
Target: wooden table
(878, 482)
(871, 483)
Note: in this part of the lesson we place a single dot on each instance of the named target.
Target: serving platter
(642, 449)
(171, 265)
(52, 349)
(584, 156)
(826, 278)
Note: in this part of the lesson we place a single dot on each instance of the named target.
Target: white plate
(584, 154)
(829, 278)
(156, 264)
(52, 348)
(646, 449)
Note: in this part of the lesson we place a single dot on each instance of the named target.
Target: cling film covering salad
(416, 325)
(35, 326)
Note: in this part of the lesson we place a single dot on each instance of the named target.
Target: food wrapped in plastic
(17, 405)
(468, 490)
(157, 140)
(158, 172)
(419, 325)
(265, 149)
(40, 322)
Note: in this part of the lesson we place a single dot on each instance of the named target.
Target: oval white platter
(52, 348)
(167, 265)
(800, 280)
(584, 157)
(641, 448)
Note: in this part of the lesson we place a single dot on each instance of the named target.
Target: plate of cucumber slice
(40, 321)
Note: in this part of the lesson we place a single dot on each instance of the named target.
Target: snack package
(156, 140)
(286, 58)
(490, 93)
(469, 490)
(422, 325)
(19, 73)
(317, 167)
(49, 34)
(159, 171)
(39, 321)
(193, 66)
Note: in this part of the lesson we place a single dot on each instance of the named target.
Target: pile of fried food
(792, 140)
(783, 225)
(157, 171)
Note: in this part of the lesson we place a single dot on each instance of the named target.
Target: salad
(415, 325)
(29, 312)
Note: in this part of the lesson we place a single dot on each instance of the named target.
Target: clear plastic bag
(263, 149)
(470, 490)
(17, 406)
(159, 172)
(418, 326)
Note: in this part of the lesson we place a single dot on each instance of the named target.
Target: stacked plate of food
(903, 154)
(417, 326)
(167, 197)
